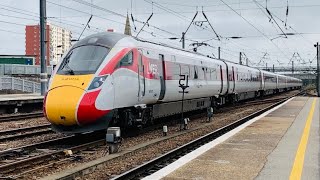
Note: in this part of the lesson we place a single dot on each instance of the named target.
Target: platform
(13, 99)
(283, 143)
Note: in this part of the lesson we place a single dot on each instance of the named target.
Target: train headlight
(97, 82)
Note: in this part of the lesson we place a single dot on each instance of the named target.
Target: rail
(22, 161)
(24, 132)
(17, 117)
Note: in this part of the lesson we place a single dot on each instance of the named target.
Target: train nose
(62, 103)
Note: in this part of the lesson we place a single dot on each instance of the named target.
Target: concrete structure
(9, 98)
(281, 144)
(58, 41)
(22, 70)
(18, 85)
(13, 103)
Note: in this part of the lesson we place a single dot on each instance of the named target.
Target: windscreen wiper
(66, 64)
(70, 71)
(66, 60)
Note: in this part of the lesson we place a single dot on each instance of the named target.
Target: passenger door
(162, 75)
(141, 77)
(221, 79)
(233, 80)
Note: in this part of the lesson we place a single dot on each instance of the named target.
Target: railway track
(250, 103)
(17, 161)
(24, 132)
(264, 101)
(28, 159)
(158, 163)
(17, 117)
(119, 157)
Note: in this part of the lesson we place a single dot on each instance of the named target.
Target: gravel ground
(131, 160)
(22, 123)
(121, 164)
(29, 140)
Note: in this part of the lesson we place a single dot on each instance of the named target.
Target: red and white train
(111, 78)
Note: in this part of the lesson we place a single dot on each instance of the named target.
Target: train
(111, 79)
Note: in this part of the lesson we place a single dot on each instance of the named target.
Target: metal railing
(11, 83)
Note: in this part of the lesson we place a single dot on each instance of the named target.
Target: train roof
(107, 39)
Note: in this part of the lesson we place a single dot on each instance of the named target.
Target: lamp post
(43, 62)
(182, 39)
(318, 68)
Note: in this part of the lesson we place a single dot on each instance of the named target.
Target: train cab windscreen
(83, 60)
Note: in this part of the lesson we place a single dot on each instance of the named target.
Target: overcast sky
(248, 19)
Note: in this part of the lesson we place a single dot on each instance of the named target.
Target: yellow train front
(70, 104)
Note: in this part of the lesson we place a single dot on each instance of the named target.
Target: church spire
(127, 29)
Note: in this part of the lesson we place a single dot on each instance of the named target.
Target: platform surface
(14, 97)
(277, 146)
(19, 99)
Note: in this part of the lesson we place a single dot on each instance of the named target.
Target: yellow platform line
(299, 159)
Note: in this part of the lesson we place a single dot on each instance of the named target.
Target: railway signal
(183, 86)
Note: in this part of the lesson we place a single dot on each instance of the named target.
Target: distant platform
(283, 143)
(16, 99)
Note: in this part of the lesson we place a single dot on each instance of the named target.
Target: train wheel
(146, 116)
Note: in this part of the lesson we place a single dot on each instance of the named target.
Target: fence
(11, 83)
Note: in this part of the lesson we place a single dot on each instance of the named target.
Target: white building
(60, 42)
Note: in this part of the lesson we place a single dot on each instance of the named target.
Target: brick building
(58, 41)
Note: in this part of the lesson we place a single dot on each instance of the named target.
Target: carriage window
(175, 70)
(208, 74)
(184, 69)
(127, 60)
(195, 72)
(214, 74)
(201, 74)
(173, 58)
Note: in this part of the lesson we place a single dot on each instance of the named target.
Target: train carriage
(111, 78)
(269, 82)
(282, 83)
(245, 82)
